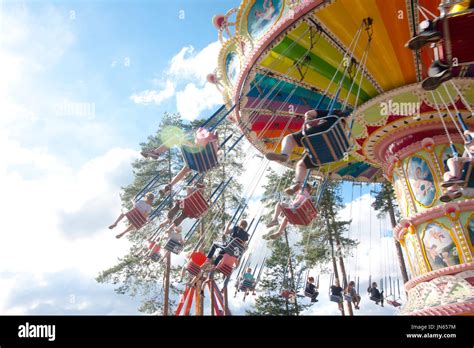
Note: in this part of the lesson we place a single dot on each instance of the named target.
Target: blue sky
(82, 84)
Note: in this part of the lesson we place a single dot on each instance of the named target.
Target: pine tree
(131, 274)
(275, 279)
(385, 204)
(282, 263)
(315, 240)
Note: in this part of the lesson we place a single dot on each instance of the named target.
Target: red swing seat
(194, 267)
(194, 205)
(303, 215)
(154, 248)
(287, 293)
(136, 218)
(461, 27)
(394, 303)
(226, 265)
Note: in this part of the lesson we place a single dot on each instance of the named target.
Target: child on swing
(299, 200)
(336, 294)
(351, 292)
(249, 277)
(375, 294)
(178, 207)
(452, 178)
(201, 138)
(143, 206)
(311, 289)
(312, 126)
(439, 71)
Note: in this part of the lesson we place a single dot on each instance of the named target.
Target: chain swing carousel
(404, 114)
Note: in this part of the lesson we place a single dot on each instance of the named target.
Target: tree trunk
(291, 273)
(167, 285)
(398, 247)
(343, 271)
(334, 266)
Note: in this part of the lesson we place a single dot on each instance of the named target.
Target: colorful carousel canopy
(279, 62)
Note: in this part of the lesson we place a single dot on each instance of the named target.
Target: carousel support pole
(197, 298)
(226, 301)
(211, 291)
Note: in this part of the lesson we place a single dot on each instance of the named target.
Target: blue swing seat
(335, 298)
(247, 284)
(327, 146)
(173, 246)
(200, 158)
(235, 248)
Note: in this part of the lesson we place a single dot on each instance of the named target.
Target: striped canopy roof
(284, 54)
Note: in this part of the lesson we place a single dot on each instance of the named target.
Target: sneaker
(438, 73)
(272, 223)
(272, 156)
(417, 42)
(293, 189)
(451, 182)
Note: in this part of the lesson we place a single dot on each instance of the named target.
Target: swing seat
(154, 248)
(194, 205)
(136, 218)
(303, 215)
(235, 248)
(155, 257)
(467, 175)
(327, 146)
(348, 298)
(309, 293)
(461, 27)
(226, 265)
(200, 158)
(394, 303)
(335, 298)
(173, 246)
(193, 268)
(375, 299)
(247, 284)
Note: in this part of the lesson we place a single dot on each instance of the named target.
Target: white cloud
(43, 38)
(57, 217)
(153, 96)
(188, 64)
(29, 44)
(188, 68)
(192, 100)
(63, 293)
